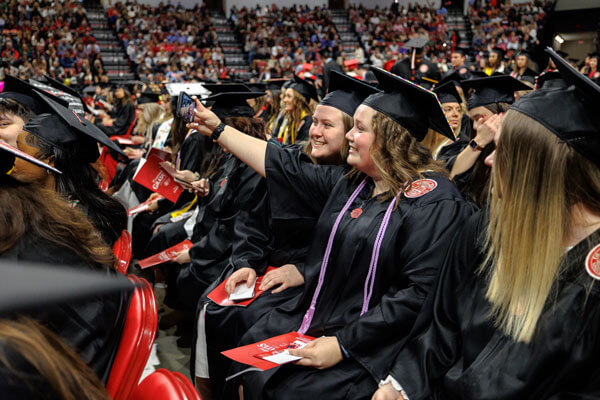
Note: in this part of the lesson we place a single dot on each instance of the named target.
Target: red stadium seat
(108, 162)
(136, 341)
(165, 385)
(122, 251)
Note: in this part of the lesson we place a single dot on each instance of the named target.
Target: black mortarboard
(493, 89)
(215, 88)
(232, 104)
(28, 95)
(454, 76)
(288, 84)
(8, 154)
(346, 93)
(415, 43)
(561, 53)
(524, 53)
(415, 108)
(501, 52)
(27, 286)
(148, 96)
(528, 76)
(305, 88)
(257, 86)
(275, 84)
(460, 51)
(447, 93)
(57, 85)
(570, 113)
(63, 127)
(551, 80)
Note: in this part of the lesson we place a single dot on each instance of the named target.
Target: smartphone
(185, 107)
(185, 184)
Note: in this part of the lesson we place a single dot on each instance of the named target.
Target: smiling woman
(13, 116)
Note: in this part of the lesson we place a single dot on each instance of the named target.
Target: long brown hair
(398, 157)
(59, 367)
(27, 207)
(536, 181)
(300, 106)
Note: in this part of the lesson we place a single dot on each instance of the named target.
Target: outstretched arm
(248, 149)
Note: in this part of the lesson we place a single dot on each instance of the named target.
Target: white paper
(282, 358)
(242, 292)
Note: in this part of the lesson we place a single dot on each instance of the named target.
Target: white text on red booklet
(165, 256)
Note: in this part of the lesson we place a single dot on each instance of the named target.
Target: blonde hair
(536, 179)
(150, 115)
(301, 108)
(398, 157)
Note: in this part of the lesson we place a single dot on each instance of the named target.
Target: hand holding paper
(321, 353)
(242, 292)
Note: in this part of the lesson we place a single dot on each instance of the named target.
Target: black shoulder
(431, 188)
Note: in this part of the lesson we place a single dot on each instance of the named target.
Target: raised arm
(248, 149)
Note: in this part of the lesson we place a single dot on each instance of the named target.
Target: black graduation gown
(92, 327)
(418, 234)
(192, 153)
(263, 241)
(123, 115)
(19, 379)
(238, 188)
(456, 353)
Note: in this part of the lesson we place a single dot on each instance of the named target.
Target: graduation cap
(551, 80)
(570, 113)
(493, 89)
(232, 104)
(460, 51)
(346, 93)
(288, 84)
(57, 85)
(415, 108)
(63, 127)
(215, 88)
(27, 286)
(501, 52)
(257, 86)
(416, 43)
(305, 88)
(447, 93)
(7, 159)
(529, 76)
(148, 96)
(275, 84)
(28, 95)
(454, 76)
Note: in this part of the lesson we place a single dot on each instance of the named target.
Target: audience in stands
(48, 37)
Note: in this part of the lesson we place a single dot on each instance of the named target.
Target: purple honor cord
(370, 281)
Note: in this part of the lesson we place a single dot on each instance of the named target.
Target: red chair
(165, 385)
(109, 163)
(136, 341)
(129, 130)
(122, 252)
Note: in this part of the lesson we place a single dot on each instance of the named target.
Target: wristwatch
(217, 132)
(475, 146)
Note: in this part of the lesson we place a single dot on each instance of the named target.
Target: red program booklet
(220, 296)
(275, 348)
(162, 154)
(165, 255)
(153, 177)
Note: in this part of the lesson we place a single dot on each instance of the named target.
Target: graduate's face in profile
(26, 171)
(288, 100)
(360, 139)
(10, 127)
(453, 113)
(326, 133)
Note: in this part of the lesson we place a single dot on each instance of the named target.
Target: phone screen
(186, 107)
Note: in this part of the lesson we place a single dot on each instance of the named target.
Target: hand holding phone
(185, 107)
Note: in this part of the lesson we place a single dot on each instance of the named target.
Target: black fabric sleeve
(425, 237)
(435, 342)
(297, 189)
